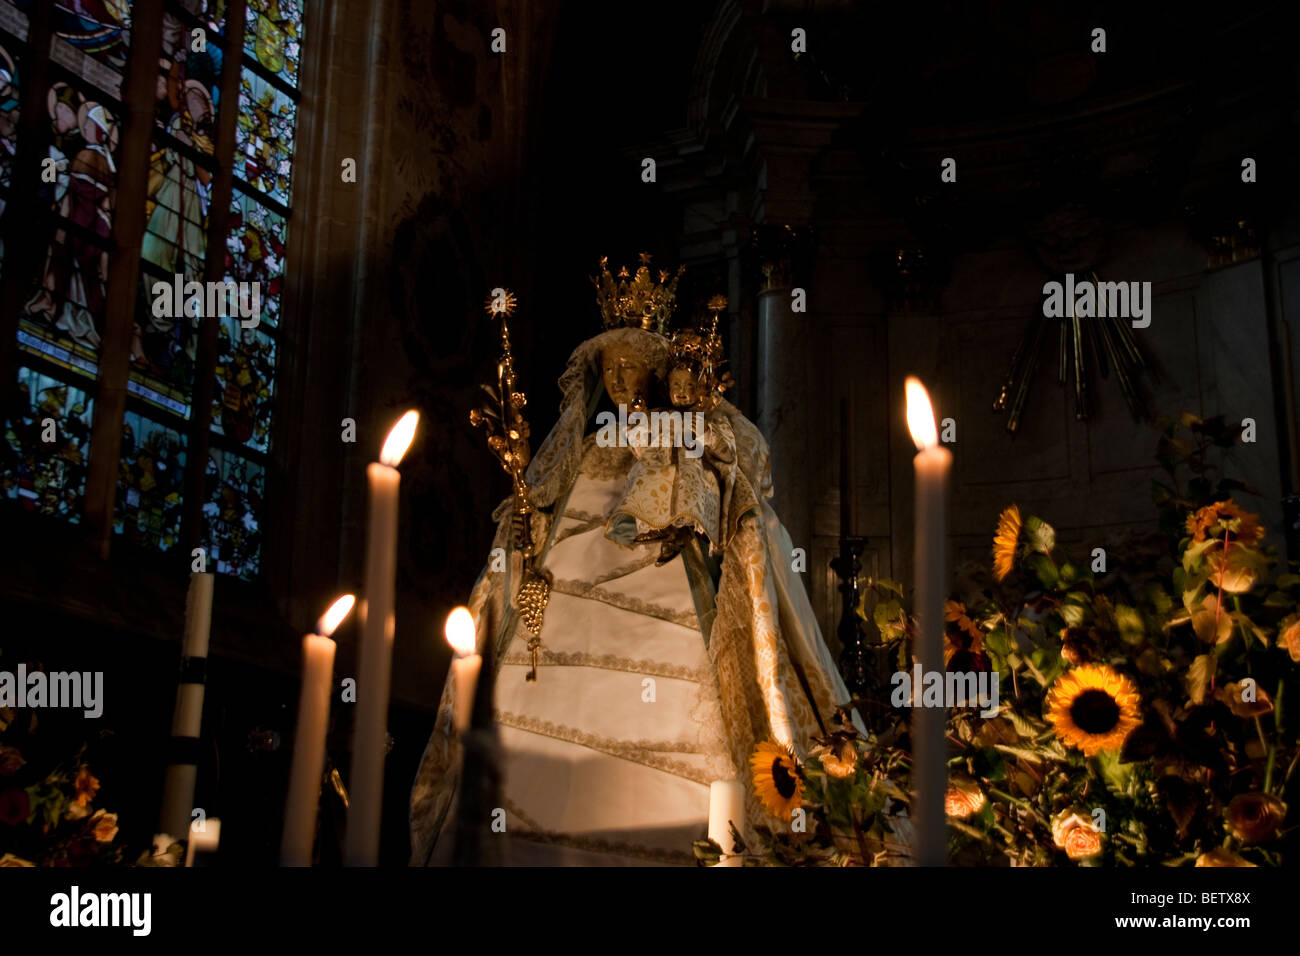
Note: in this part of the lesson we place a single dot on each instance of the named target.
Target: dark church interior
(879, 191)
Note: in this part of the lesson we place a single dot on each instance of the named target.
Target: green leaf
(1045, 570)
(1040, 535)
(1286, 581)
(1129, 621)
(988, 764)
(1118, 776)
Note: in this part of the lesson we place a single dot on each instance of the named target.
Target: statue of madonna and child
(675, 637)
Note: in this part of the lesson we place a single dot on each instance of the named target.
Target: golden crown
(640, 302)
(699, 348)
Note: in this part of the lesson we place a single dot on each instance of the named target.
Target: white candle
(205, 837)
(187, 715)
(726, 806)
(375, 658)
(309, 737)
(465, 665)
(932, 464)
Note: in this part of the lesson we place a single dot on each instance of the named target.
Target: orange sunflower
(1213, 521)
(1005, 542)
(1093, 708)
(776, 779)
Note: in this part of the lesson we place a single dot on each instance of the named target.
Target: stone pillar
(783, 375)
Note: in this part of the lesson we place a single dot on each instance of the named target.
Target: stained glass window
(267, 117)
(64, 311)
(46, 445)
(272, 34)
(150, 483)
(231, 514)
(63, 317)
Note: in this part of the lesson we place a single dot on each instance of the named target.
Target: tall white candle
(361, 846)
(466, 665)
(309, 737)
(205, 837)
(726, 806)
(187, 716)
(932, 464)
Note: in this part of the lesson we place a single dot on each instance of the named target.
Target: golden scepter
(507, 430)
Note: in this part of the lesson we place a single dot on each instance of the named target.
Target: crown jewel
(639, 303)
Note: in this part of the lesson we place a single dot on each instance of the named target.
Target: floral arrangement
(1141, 697)
(47, 812)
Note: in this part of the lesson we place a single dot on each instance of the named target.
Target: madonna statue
(660, 668)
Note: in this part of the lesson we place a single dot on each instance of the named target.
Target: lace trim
(537, 834)
(582, 589)
(648, 753)
(635, 565)
(605, 462)
(611, 662)
(586, 523)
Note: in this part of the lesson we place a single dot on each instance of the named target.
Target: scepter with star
(507, 430)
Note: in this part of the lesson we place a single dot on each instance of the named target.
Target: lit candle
(361, 846)
(465, 665)
(309, 737)
(205, 837)
(726, 806)
(932, 464)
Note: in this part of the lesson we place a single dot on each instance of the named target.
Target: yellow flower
(1093, 708)
(955, 612)
(776, 779)
(1221, 857)
(104, 826)
(86, 787)
(1255, 817)
(1005, 542)
(1227, 517)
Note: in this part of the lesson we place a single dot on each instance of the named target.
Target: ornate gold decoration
(507, 430)
(639, 303)
(699, 348)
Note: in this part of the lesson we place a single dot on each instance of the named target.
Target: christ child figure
(673, 492)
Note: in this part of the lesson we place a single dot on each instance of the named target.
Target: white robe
(608, 755)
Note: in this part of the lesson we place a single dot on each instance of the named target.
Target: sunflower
(776, 779)
(1225, 516)
(1093, 708)
(1005, 542)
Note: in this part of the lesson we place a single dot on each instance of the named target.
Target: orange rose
(1083, 843)
(1289, 636)
(1255, 817)
(86, 786)
(1221, 857)
(963, 800)
(104, 826)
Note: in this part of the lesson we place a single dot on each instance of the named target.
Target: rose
(1255, 817)
(104, 826)
(11, 759)
(963, 800)
(1221, 857)
(14, 806)
(1083, 842)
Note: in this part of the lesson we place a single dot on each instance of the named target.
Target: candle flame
(399, 439)
(460, 631)
(332, 618)
(920, 415)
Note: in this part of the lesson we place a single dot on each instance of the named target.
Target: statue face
(627, 376)
(683, 388)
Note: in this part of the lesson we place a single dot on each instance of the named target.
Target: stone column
(783, 375)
